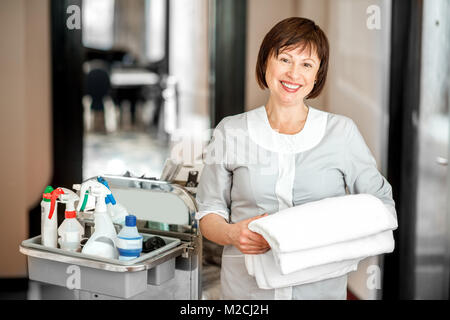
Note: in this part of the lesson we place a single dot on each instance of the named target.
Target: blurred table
(135, 84)
(125, 77)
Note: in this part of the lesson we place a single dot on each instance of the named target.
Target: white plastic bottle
(102, 242)
(70, 232)
(49, 221)
(129, 241)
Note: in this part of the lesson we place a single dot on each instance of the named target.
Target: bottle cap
(130, 221)
(71, 214)
(47, 194)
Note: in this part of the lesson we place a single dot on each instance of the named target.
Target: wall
(359, 71)
(25, 122)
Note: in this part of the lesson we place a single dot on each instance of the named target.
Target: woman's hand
(248, 242)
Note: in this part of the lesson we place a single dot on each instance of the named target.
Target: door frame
(404, 100)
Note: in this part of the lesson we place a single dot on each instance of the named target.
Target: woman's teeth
(290, 86)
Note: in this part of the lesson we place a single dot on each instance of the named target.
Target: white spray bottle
(49, 221)
(70, 231)
(102, 242)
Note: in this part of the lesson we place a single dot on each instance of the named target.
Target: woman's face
(290, 76)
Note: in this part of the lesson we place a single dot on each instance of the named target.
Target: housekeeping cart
(171, 272)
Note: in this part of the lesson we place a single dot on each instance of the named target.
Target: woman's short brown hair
(291, 33)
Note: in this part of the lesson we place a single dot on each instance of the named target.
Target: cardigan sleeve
(360, 170)
(214, 189)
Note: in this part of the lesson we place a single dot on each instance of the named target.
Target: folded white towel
(373, 245)
(268, 275)
(320, 240)
(328, 221)
(249, 264)
(258, 271)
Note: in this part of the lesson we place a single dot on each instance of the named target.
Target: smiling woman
(297, 37)
(292, 64)
(281, 155)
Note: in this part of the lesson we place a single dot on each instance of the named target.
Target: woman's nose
(295, 72)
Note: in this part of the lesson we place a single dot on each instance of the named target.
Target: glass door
(432, 225)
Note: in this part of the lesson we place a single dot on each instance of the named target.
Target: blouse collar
(262, 133)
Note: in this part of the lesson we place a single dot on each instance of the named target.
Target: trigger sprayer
(53, 196)
(109, 198)
(97, 190)
(117, 211)
(102, 242)
(49, 221)
(68, 197)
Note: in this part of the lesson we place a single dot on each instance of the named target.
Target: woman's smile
(290, 87)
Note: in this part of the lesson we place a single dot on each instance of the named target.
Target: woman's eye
(284, 60)
(307, 65)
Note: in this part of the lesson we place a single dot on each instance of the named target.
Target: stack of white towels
(320, 240)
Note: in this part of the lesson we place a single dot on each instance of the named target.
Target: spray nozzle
(109, 198)
(69, 197)
(85, 197)
(97, 190)
(53, 196)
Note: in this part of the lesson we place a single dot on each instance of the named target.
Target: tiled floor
(211, 282)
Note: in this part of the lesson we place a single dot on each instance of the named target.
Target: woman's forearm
(216, 229)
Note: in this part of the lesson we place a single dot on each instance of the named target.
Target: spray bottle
(102, 242)
(117, 211)
(49, 221)
(70, 231)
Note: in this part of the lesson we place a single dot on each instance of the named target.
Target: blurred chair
(155, 93)
(132, 94)
(98, 86)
